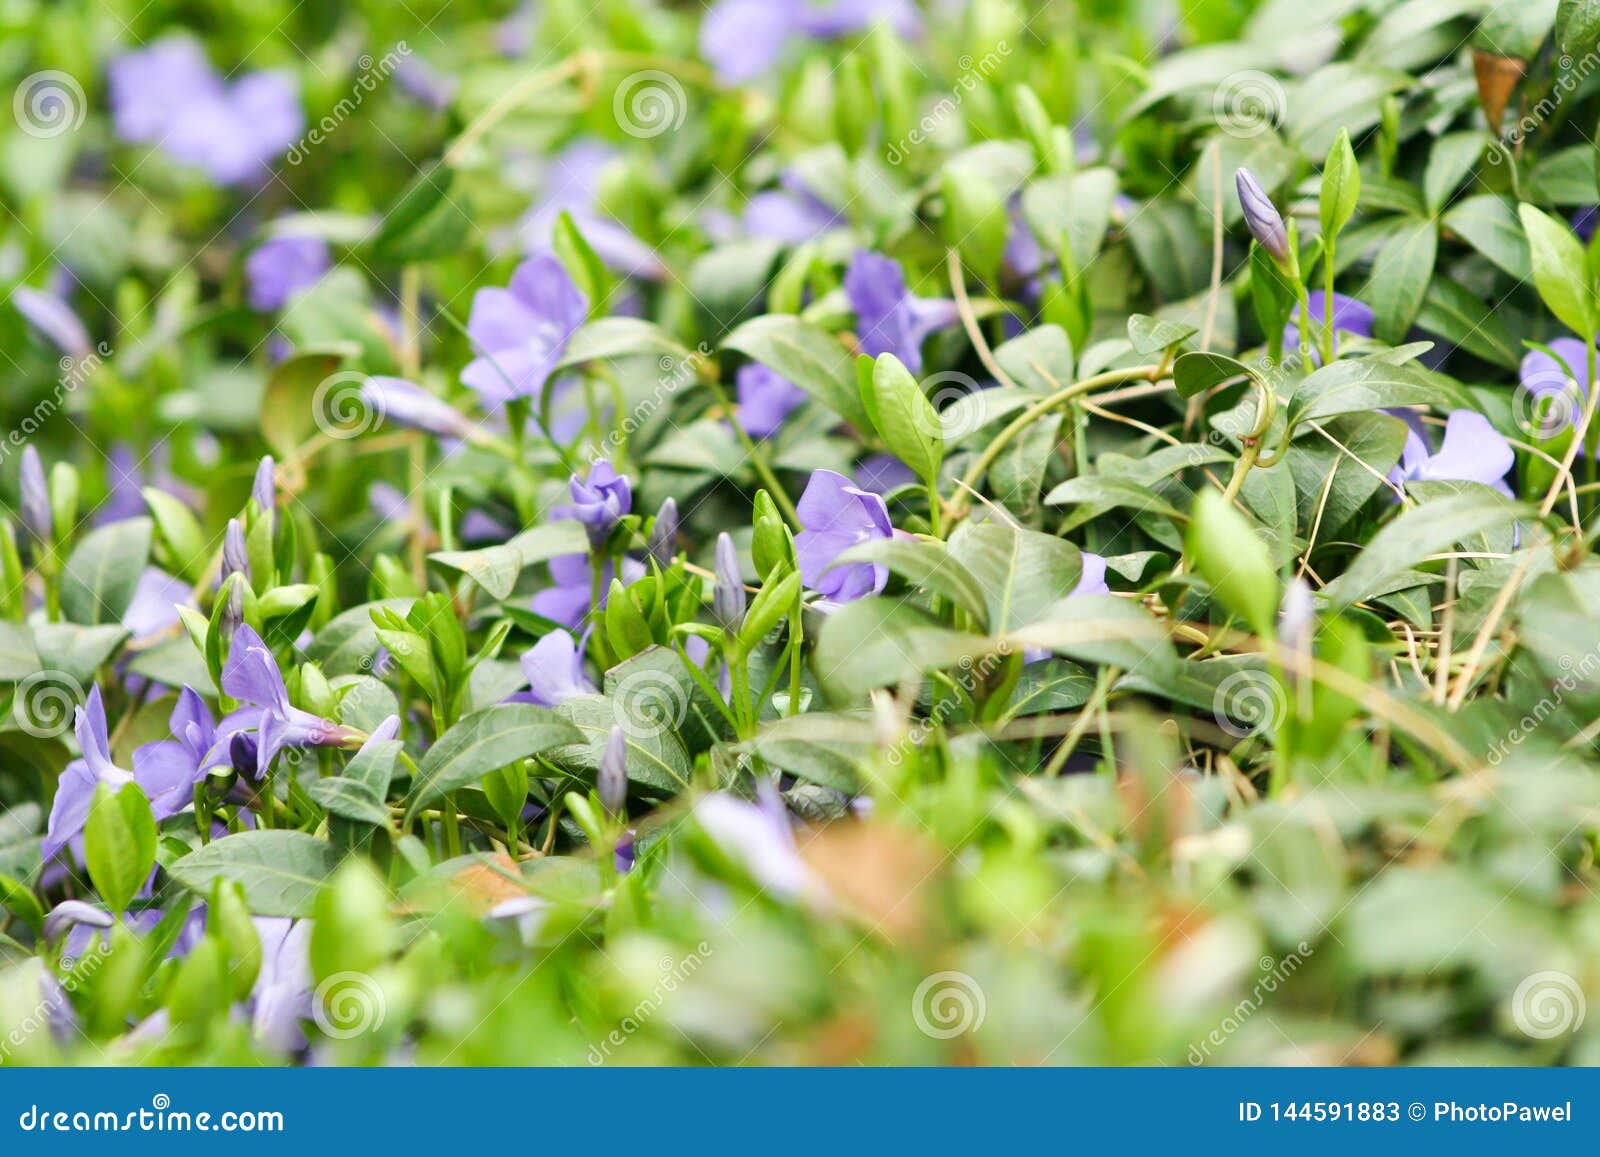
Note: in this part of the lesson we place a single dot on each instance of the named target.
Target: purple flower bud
(1263, 218)
(612, 780)
(70, 913)
(1297, 617)
(663, 543)
(243, 754)
(233, 610)
(265, 487)
(53, 318)
(727, 593)
(35, 496)
(624, 856)
(235, 558)
(408, 404)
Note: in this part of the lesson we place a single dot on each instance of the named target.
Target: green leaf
(1102, 630)
(1150, 335)
(180, 530)
(1428, 529)
(296, 395)
(349, 799)
(1559, 270)
(1022, 573)
(431, 219)
(975, 221)
(1577, 26)
(1400, 275)
(1361, 386)
(1489, 224)
(1227, 550)
(119, 843)
(926, 564)
(1450, 160)
(620, 337)
(482, 742)
(103, 570)
(280, 870)
(1197, 371)
(810, 357)
(1341, 186)
(882, 642)
(905, 419)
(496, 568)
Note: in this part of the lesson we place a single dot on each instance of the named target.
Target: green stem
(961, 500)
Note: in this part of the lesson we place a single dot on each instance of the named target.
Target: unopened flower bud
(727, 592)
(1262, 216)
(663, 543)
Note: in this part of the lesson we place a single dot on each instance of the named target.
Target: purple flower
(1092, 578)
(663, 543)
(1472, 451)
(743, 39)
(71, 914)
(264, 486)
(75, 791)
(283, 266)
(612, 779)
(425, 84)
(568, 601)
(36, 514)
(1559, 378)
(836, 517)
(522, 331)
(598, 501)
(570, 183)
(889, 318)
(251, 676)
(881, 473)
(408, 404)
(792, 214)
(1349, 316)
(554, 670)
(53, 318)
(282, 996)
(168, 769)
(766, 398)
(235, 554)
(168, 95)
(1261, 215)
(757, 837)
(154, 606)
(1584, 222)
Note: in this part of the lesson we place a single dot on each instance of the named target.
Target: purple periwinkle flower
(36, 516)
(522, 331)
(169, 769)
(1557, 385)
(744, 39)
(881, 473)
(792, 214)
(570, 183)
(612, 778)
(568, 601)
(663, 544)
(154, 606)
(264, 486)
(1472, 451)
(727, 592)
(890, 319)
(836, 517)
(282, 996)
(1092, 578)
(1261, 215)
(53, 318)
(283, 266)
(599, 500)
(70, 914)
(251, 676)
(554, 669)
(758, 837)
(75, 791)
(407, 404)
(766, 398)
(168, 95)
(1350, 316)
